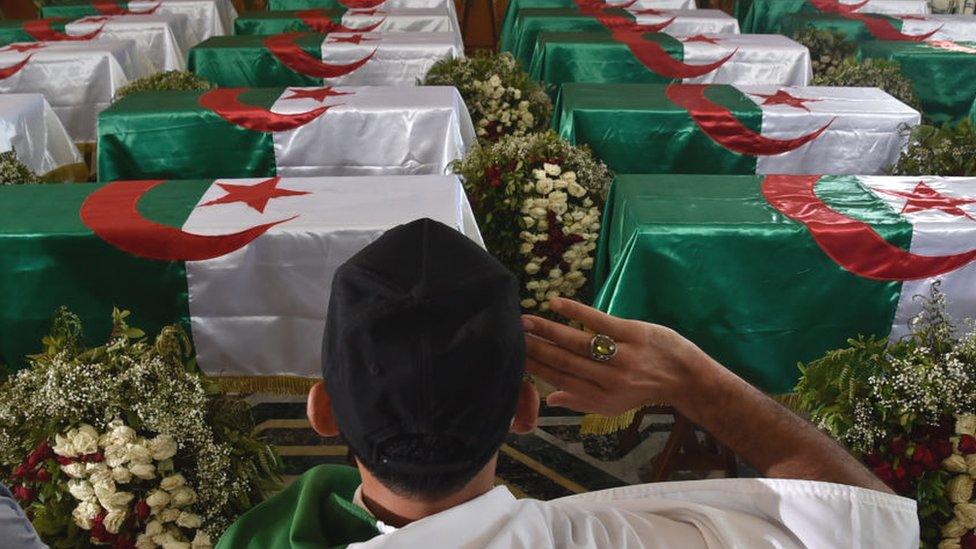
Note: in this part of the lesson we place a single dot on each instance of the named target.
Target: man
(424, 354)
(16, 532)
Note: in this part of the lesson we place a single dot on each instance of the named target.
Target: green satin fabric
(505, 36)
(276, 22)
(244, 61)
(944, 81)
(48, 258)
(11, 31)
(635, 128)
(854, 31)
(765, 16)
(314, 512)
(708, 256)
(595, 57)
(532, 21)
(168, 135)
(71, 9)
(278, 5)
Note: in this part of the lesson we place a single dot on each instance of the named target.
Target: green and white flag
(206, 17)
(766, 271)
(246, 265)
(336, 20)
(237, 132)
(691, 128)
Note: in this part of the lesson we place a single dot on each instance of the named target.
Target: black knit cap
(423, 337)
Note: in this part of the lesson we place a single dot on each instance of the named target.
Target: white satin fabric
(29, 126)
(391, 5)
(260, 311)
(78, 79)
(693, 21)
(398, 58)
(712, 514)
(402, 20)
(759, 58)
(164, 39)
(656, 4)
(867, 132)
(935, 232)
(893, 7)
(375, 131)
(207, 17)
(957, 28)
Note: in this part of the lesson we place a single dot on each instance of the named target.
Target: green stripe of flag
(12, 30)
(709, 257)
(853, 29)
(635, 128)
(234, 61)
(531, 22)
(276, 22)
(49, 258)
(161, 135)
(73, 9)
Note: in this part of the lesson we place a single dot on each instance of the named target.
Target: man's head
(423, 360)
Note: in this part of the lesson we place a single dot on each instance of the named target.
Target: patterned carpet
(551, 462)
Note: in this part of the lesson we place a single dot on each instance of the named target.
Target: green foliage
(828, 49)
(945, 150)
(165, 81)
(500, 96)
(13, 171)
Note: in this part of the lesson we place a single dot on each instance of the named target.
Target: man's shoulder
(274, 522)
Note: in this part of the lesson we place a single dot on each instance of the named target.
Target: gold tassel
(594, 424)
(278, 385)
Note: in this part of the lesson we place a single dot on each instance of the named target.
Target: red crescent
(109, 7)
(225, 102)
(283, 47)
(619, 25)
(7, 72)
(882, 29)
(725, 129)
(319, 21)
(361, 4)
(653, 56)
(854, 245)
(111, 213)
(834, 6)
(40, 29)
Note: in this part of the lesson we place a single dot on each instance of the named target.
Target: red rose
(62, 460)
(941, 447)
(21, 471)
(968, 540)
(142, 509)
(39, 454)
(124, 542)
(898, 446)
(42, 475)
(967, 444)
(494, 176)
(915, 470)
(23, 494)
(900, 473)
(923, 456)
(884, 472)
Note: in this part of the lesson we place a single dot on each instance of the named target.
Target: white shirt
(753, 513)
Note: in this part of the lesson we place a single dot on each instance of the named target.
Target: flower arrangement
(538, 201)
(905, 408)
(165, 81)
(126, 444)
(13, 171)
(500, 96)
(945, 150)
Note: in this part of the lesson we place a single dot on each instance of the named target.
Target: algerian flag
(765, 271)
(868, 26)
(206, 17)
(766, 16)
(290, 132)
(245, 264)
(736, 129)
(164, 39)
(305, 59)
(337, 20)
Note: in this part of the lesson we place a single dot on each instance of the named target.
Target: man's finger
(565, 399)
(617, 328)
(560, 379)
(567, 362)
(566, 337)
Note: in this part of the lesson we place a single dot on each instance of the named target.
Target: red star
(318, 94)
(701, 38)
(926, 198)
(23, 47)
(782, 97)
(354, 39)
(255, 196)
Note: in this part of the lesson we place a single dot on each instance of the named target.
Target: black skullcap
(423, 337)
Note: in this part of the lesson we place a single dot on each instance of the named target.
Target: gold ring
(602, 347)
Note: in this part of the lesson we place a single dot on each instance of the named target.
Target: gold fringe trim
(279, 385)
(69, 173)
(594, 424)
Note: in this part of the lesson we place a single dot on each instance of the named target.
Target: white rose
(85, 440)
(172, 482)
(966, 514)
(145, 471)
(138, 453)
(85, 513)
(587, 263)
(98, 473)
(544, 186)
(183, 496)
(188, 520)
(576, 190)
(176, 545)
(539, 174)
(121, 475)
(953, 529)
(551, 169)
(559, 208)
(528, 221)
(118, 434)
(157, 499)
(81, 489)
(526, 247)
(115, 455)
(104, 489)
(528, 303)
(966, 424)
(162, 447)
(145, 542)
(154, 528)
(532, 268)
(558, 197)
(569, 176)
(970, 464)
(113, 520)
(74, 470)
(169, 515)
(495, 81)
(949, 543)
(63, 445)
(201, 540)
(118, 500)
(537, 212)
